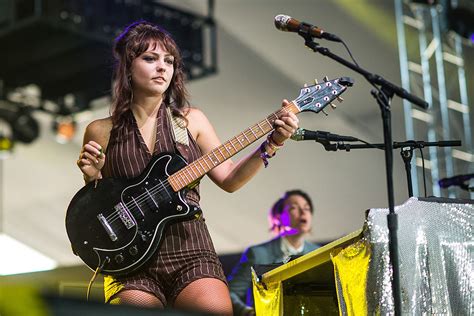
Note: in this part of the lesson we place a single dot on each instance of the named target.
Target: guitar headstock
(316, 97)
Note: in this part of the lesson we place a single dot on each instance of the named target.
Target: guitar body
(118, 224)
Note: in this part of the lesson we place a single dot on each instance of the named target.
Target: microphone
(320, 136)
(286, 23)
(456, 180)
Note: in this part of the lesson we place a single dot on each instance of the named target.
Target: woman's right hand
(91, 160)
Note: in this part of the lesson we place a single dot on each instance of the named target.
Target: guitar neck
(198, 168)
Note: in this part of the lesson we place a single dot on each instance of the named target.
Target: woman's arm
(92, 157)
(231, 176)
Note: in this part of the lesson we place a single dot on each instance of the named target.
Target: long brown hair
(131, 43)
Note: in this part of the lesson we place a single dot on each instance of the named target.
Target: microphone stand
(383, 96)
(406, 151)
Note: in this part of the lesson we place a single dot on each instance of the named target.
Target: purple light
(472, 38)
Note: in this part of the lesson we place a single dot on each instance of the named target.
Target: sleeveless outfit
(186, 252)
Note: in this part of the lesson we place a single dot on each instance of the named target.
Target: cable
(94, 276)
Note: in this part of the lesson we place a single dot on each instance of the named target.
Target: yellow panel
(351, 267)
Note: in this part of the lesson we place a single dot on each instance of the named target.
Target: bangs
(150, 40)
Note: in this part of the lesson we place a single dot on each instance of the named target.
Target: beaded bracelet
(264, 154)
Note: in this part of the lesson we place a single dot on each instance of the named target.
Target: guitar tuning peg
(305, 85)
(333, 105)
(325, 79)
(316, 81)
(339, 99)
(324, 112)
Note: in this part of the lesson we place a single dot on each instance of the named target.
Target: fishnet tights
(137, 298)
(207, 295)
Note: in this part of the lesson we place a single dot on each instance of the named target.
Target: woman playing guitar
(184, 271)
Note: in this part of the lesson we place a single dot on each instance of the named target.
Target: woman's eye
(169, 61)
(148, 58)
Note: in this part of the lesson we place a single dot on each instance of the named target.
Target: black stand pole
(407, 154)
(383, 96)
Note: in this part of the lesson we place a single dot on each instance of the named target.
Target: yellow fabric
(351, 266)
(268, 297)
(22, 300)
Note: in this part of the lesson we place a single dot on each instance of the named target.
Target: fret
(248, 140)
(199, 162)
(215, 162)
(269, 124)
(233, 145)
(228, 151)
(211, 160)
(219, 149)
(205, 160)
(258, 124)
(276, 116)
(178, 177)
(251, 131)
(239, 142)
(183, 171)
(193, 175)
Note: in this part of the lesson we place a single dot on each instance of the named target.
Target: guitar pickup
(107, 227)
(124, 215)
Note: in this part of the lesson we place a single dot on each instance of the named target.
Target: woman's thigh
(207, 295)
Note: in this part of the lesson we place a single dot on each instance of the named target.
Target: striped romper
(186, 252)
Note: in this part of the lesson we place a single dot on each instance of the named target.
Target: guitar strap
(178, 126)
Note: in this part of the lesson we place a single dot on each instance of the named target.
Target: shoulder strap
(178, 126)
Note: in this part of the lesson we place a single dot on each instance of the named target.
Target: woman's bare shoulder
(99, 131)
(193, 113)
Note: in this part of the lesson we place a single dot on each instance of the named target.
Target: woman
(148, 80)
(290, 220)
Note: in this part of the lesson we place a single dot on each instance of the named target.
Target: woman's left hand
(285, 126)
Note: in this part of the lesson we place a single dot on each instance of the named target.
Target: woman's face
(152, 71)
(296, 215)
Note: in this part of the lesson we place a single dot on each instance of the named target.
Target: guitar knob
(119, 258)
(133, 250)
(179, 208)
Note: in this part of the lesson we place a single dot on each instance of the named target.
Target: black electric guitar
(116, 225)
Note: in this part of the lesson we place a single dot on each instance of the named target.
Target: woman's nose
(160, 65)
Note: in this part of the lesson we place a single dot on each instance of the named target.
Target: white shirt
(288, 249)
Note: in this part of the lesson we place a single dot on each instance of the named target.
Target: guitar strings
(115, 215)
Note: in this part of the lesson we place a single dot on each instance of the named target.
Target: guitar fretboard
(195, 170)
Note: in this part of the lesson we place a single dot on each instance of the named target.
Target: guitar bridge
(124, 215)
(107, 227)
